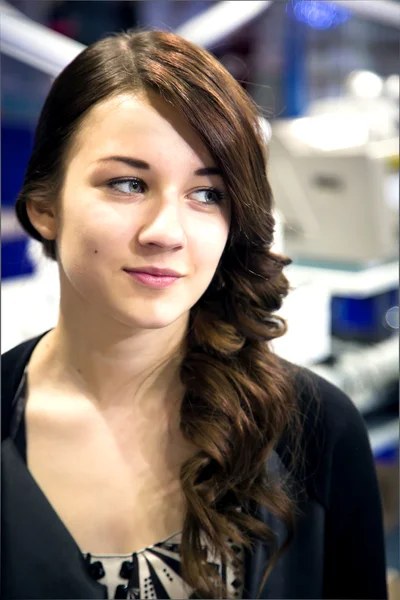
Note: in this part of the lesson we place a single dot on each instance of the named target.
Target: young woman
(153, 444)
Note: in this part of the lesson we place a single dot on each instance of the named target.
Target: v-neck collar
(255, 561)
(59, 548)
(41, 552)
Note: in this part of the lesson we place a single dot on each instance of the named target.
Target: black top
(152, 572)
(338, 545)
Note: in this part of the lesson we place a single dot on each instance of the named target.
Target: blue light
(317, 14)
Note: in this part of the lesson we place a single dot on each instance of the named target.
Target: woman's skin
(104, 389)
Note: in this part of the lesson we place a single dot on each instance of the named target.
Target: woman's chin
(150, 320)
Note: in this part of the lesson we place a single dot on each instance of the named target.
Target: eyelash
(220, 195)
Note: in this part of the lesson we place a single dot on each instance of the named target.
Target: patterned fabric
(155, 572)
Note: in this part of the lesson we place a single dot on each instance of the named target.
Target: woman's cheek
(210, 240)
(100, 231)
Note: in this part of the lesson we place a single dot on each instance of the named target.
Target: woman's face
(136, 195)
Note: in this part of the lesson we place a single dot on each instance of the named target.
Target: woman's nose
(163, 225)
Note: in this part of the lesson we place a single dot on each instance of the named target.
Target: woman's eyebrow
(132, 162)
(208, 171)
(141, 164)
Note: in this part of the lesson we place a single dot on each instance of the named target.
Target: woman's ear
(43, 218)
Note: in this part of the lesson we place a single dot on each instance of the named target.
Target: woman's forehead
(124, 121)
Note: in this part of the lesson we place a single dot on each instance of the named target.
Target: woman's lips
(153, 281)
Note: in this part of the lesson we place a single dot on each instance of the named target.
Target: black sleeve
(354, 539)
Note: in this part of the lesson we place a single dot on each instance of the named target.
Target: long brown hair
(239, 401)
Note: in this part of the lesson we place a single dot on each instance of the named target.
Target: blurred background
(326, 78)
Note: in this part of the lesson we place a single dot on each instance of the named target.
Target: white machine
(334, 175)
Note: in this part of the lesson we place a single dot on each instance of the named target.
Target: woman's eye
(209, 196)
(137, 186)
(127, 186)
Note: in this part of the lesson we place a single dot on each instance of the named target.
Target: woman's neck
(114, 368)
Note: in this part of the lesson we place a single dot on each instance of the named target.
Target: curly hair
(239, 399)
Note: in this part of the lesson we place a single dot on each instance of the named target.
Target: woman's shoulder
(13, 363)
(17, 357)
(324, 405)
(333, 431)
